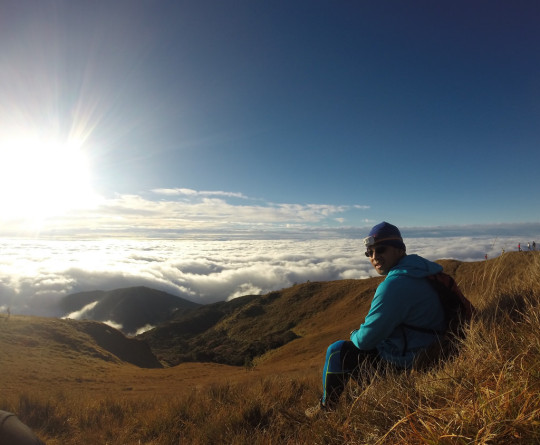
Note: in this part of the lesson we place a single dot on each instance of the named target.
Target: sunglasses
(377, 250)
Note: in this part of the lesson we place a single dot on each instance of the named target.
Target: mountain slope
(71, 340)
(131, 308)
(240, 330)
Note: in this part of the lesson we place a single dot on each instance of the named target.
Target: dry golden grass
(488, 395)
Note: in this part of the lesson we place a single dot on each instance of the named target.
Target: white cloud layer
(34, 275)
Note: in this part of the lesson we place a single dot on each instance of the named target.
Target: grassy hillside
(37, 340)
(73, 391)
(242, 330)
(132, 308)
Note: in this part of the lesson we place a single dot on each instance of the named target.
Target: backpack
(458, 312)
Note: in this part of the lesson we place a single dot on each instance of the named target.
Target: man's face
(383, 258)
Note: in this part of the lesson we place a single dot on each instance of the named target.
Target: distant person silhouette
(519, 247)
(534, 245)
(14, 432)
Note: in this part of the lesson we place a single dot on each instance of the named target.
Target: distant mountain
(128, 350)
(131, 308)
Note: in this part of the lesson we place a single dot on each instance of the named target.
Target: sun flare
(43, 177)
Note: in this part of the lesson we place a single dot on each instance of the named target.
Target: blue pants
(343, 360)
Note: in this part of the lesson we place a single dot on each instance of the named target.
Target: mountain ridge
(128, 309)
(239, 331)
(81, 341)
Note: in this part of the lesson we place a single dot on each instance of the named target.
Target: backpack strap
(405, 326)
(424, 330)
(458, 311)
(437, 286)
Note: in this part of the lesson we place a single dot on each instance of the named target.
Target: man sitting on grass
(385, 339)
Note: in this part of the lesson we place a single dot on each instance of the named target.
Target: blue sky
(245, 116)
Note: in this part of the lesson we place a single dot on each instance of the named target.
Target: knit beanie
(384, 234)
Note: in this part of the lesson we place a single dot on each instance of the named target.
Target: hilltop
(130, 309)
(78, 341)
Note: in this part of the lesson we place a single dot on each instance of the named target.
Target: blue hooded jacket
(404, 297)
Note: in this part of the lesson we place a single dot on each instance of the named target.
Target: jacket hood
(415, 266)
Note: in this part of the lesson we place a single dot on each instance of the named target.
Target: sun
(43, 176)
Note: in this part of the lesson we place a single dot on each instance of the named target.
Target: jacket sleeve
(386, 313)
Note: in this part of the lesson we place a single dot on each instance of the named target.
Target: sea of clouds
(35, 275)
